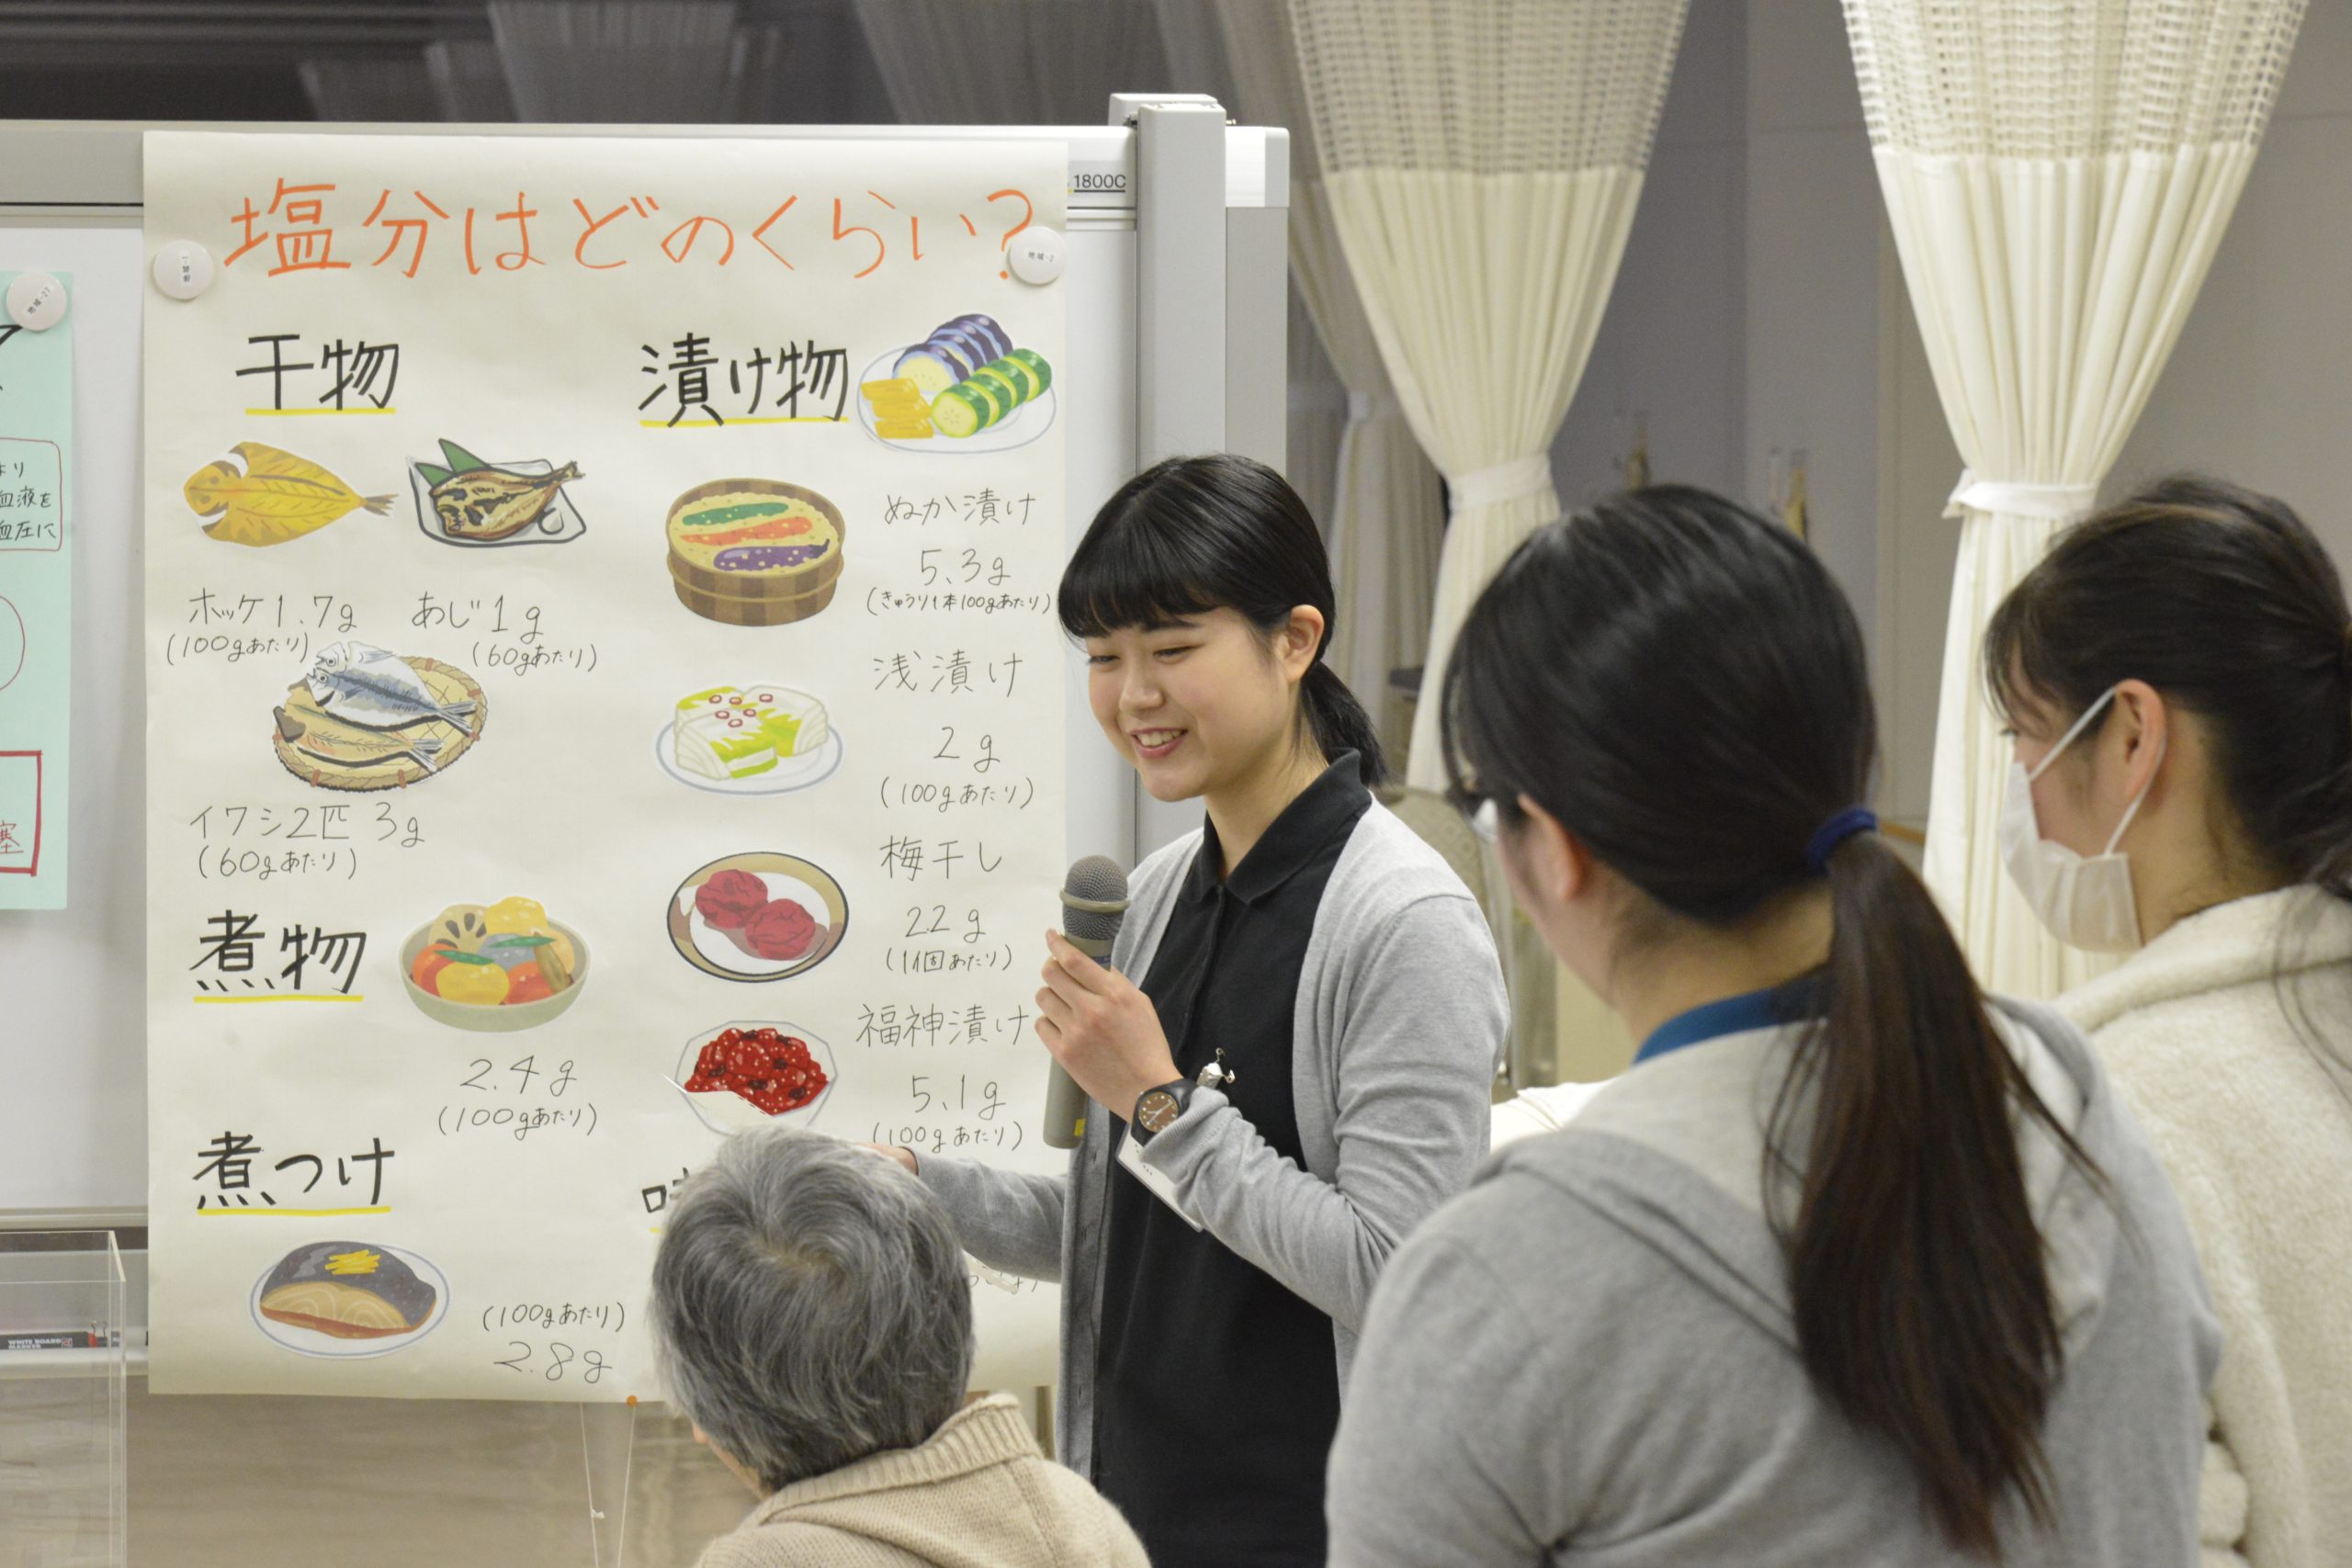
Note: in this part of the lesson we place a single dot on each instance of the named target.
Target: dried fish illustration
(359, 750)
(266, 496)
(365, 686)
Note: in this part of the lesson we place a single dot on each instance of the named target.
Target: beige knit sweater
(2257, 1133)
(976, 1495)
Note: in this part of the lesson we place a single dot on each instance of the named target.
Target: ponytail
(1339, 722)
(1922, 1301)
(1679, 683)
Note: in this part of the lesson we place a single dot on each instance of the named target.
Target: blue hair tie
(1837, 831)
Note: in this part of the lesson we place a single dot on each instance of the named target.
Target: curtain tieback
(1363, 406)
(1504, 481)
(2052, 504)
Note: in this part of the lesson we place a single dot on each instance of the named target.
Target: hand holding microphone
(1103, 1031)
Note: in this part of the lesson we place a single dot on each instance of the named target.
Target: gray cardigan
(1397, 1029)
(1590, 1357)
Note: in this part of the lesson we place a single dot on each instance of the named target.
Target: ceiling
(403, 60)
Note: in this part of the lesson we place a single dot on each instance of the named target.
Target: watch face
(1157, 1109)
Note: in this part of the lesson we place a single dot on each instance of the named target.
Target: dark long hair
(1192, 534)
(1679, 682)
(2222, 601)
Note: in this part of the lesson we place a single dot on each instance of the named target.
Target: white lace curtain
(1482, 160)
(1386, 512)
(2058, 176)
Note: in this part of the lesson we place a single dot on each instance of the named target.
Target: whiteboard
(72, 1029)
(73, 1043)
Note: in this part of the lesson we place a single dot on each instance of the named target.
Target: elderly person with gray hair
(814, 1321)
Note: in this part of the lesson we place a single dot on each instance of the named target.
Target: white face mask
(2085, 900)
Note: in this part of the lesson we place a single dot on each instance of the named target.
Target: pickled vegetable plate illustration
(966, 388)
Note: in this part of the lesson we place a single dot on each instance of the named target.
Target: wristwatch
(1156, 1108)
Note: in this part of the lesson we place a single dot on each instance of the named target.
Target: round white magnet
(36, 301)
(183, 269)
(1034, 255)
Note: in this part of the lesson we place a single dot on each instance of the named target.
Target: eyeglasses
(1483, 814)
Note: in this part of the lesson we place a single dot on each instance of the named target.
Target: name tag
(1156, 1183)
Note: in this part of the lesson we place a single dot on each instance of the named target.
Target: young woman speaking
(1293, 1047)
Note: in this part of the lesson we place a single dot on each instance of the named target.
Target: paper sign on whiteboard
(600, 645)
(36, 607)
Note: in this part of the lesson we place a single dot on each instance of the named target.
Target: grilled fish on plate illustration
(361, 718)
(492, 503)
(365, 686)
(475, 502)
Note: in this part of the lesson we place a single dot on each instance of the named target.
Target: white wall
(1814, 225)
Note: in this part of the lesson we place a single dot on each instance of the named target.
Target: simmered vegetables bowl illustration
(494, 968)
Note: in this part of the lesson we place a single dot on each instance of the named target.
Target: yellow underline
(775, 419)
(280, 999)
(302, 1213)
(290, 413)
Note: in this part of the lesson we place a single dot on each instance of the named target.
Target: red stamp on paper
(20, 780)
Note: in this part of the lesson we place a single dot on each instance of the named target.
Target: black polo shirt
(1217, 1396)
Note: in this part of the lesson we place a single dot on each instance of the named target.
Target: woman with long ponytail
(1290, 1058)
(1857, 1265)
(2178, 674)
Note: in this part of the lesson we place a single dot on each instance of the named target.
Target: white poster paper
(603, 692)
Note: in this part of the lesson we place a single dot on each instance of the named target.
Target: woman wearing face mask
(2177, 671)
(1855, 1265)
(1302, 1072)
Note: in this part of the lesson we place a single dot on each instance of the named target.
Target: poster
(603, 692)
(35, 606)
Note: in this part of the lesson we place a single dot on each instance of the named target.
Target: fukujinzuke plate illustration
(760, 738)
(466, 502)
(349, 1299)
(966, 388)
(748, 1073)
(757, 916)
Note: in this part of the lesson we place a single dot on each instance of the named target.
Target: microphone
(1095, 903)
